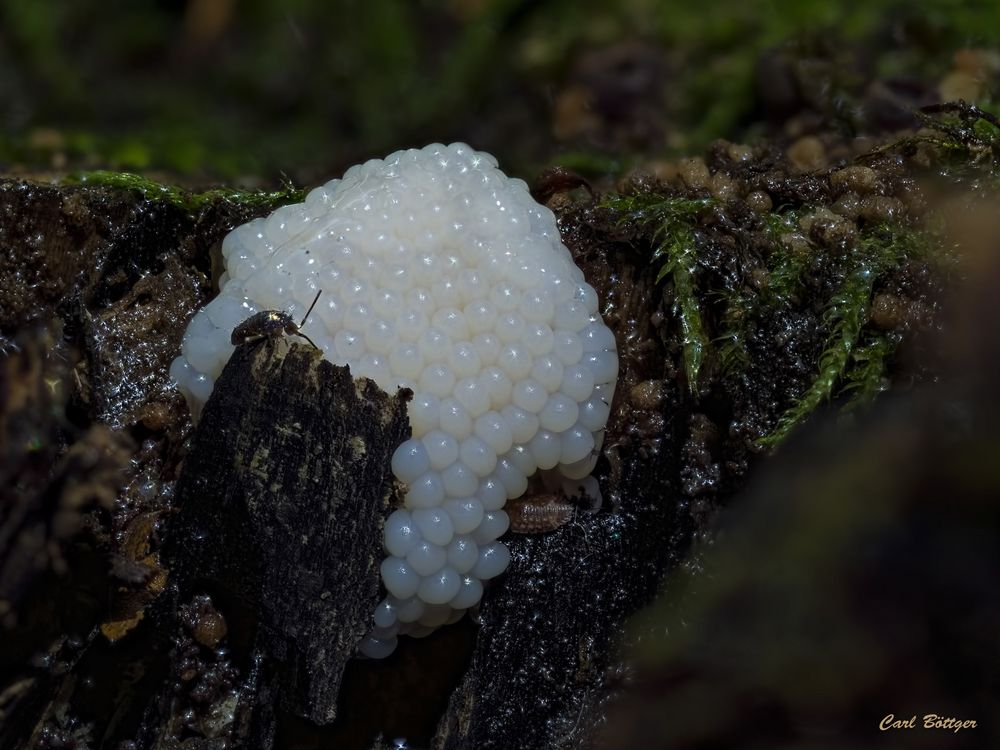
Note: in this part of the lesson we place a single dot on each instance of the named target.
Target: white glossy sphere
(497, 385)
(410, 609)
(426, 558)
(594, 413)
(455, 420)
(466, 513)
(523, 424)
(376, 648)
(577, 443)
(513, 480)
(493, 560)
(399, 578)
(469, 593)
(410, 461)
(459, 480)
(385, 614)
(530, 395)
(440, 587)
(400, 534)
(492, 493)
(577, 382)
(522, 459)
(604, 365)
(425, 412)
(546, 447)
(559, 413)
(548, 370)
(478, 456)
(435, 525)
(441, 447)
(463, 552)
(425, 492)
(494, 525)
(474, 395)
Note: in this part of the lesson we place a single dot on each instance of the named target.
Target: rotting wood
(281, 502)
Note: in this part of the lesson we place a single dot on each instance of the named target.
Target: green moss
(671, 221)
(191, 202)
(967, 133)
(966, 130)
(866, 376)
(859, 369)
(788, 264)
(844, 318)
(733, 355)
(853, 360)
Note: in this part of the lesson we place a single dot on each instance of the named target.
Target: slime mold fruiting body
(440, 274)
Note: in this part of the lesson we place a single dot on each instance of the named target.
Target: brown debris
(141, 578)
(204, 622)
(46, 492)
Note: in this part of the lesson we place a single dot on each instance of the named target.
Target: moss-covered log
(775, 287)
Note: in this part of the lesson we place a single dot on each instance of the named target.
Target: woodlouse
(539, 514)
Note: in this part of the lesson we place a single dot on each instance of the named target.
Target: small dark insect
(268, 323)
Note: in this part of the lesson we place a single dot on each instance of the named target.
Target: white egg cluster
(441, 274)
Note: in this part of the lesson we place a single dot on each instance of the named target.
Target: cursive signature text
(929, 721)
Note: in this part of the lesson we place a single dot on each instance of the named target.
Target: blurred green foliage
(258, 89)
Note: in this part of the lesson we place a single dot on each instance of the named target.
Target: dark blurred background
(250, 91)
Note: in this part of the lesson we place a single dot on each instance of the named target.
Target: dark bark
(280, 504)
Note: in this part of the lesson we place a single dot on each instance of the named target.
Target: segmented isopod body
(539, 514)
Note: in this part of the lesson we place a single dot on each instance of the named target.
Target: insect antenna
(304, 319)
(315, 300)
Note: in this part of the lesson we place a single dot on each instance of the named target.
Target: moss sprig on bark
(858, 369)
(794, 274)
(671, 220)
(191, 202)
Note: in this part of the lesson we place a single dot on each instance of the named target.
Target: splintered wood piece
(281, 504)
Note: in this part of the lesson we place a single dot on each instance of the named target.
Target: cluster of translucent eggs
(440, 274)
